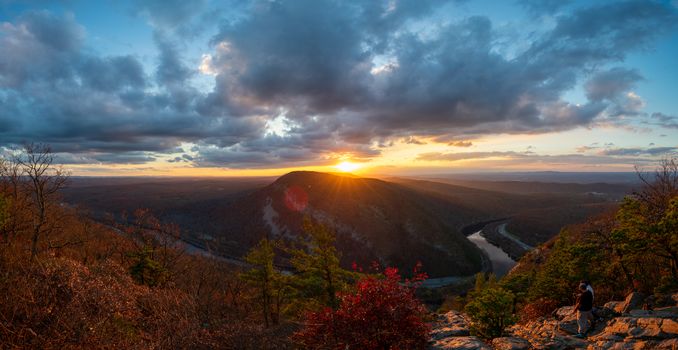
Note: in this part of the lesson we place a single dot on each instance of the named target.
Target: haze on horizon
(237, 88)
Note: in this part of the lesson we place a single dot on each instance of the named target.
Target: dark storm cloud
(611, 83)
(171, 70)
(248, 158)
(603, 32)
(347, 77)
(319, 61)
(113, 73)
(61, 34)
(308, 50)
(54, 91)
(39, 46)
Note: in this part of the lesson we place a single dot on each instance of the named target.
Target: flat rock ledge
(623, 326)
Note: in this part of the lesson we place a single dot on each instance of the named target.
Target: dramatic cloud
(611, 83)
(393, 82)
(307, 81)
(83, 103)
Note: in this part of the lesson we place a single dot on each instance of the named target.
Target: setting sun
(347, 167)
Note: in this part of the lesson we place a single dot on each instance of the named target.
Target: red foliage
(382, 313)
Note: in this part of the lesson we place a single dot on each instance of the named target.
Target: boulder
(668, 312)
(570, 327)
(510, 343)
(569, 342)
(460, 343)
(604, 312)
(616, 306)
(668, 344)
(450, 324)
(626, 345)
(633, 301)
(648, 328)
(565, 313)
(640, 328)
(670, 327)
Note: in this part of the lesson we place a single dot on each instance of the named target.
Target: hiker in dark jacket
(584, 308)
(589, 288)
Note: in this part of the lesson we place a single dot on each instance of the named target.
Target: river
(501, 262)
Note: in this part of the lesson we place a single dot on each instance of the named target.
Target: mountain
(375, 221)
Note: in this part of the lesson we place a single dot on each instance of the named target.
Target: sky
(236, 88)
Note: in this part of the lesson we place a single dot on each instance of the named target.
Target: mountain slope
(374, 221)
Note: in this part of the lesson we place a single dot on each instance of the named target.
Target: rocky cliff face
(622, 325)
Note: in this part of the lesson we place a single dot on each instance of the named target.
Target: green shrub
(146, 270)
(491, 311)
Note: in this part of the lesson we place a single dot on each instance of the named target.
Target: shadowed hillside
(374, 220)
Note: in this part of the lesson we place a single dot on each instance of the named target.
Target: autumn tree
(646, 230)
(381, 312)
(32, 179)
(11, 176)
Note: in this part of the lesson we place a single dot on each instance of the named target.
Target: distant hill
(617, 190)
(374, 220)
(537, 210)
(629, 178)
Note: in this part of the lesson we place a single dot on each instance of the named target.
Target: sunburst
(347, 167)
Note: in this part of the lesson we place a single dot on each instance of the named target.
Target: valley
(392, 221)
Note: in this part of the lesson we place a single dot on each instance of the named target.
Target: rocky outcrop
(510, 343)
(633, 301)
(623, 325)
(460, 343)
(451, 324)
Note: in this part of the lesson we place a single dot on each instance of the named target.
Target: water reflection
(501, 262)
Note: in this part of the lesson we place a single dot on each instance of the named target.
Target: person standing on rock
(584, 308)
(590, 289)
